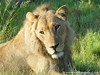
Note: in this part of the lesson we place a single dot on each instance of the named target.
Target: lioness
(43, 44)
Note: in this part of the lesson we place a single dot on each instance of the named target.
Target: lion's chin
(57, 55)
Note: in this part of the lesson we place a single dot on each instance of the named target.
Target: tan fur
(43, 44)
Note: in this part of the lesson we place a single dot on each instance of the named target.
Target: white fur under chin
(55, 56)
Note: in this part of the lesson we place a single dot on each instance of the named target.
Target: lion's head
(51, 29)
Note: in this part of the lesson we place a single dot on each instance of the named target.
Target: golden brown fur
(43, 44)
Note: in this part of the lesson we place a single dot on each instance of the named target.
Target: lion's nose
(55, 46)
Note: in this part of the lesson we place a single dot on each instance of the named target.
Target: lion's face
(50, 29)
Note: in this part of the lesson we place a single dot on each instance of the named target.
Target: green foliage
(87, 52)
(8, 73)
(84, 18)
(86, 48)
(7, 17)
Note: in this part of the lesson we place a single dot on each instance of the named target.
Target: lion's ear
(30, 16)
(62, 12)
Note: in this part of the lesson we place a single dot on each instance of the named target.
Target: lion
(43, 44)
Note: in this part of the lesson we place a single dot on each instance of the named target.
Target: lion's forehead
(47, 20)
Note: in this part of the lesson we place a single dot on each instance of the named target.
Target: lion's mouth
(57, 54)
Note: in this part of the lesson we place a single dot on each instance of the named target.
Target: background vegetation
(84, 18)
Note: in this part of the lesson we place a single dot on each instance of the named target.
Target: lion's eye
(41, 32)
(56, 27)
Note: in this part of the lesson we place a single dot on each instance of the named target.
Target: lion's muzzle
(52, 50)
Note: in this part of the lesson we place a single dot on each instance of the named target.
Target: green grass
(84, 18)
(87, 55)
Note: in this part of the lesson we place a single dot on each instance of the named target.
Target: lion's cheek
(60, 47)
